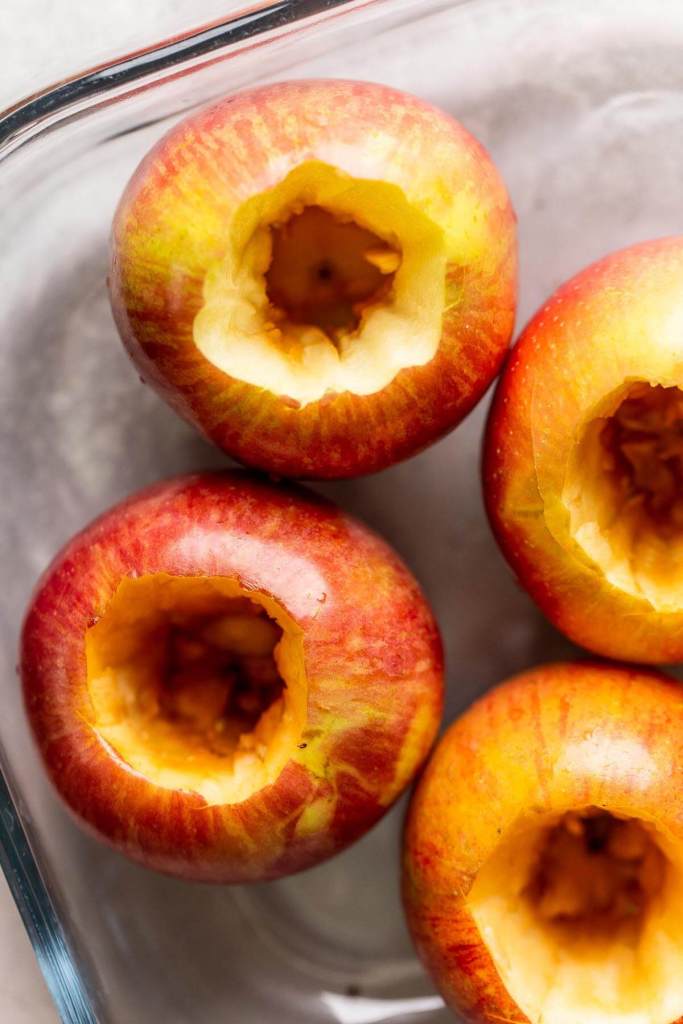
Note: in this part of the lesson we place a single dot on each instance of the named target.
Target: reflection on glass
(357, 1010)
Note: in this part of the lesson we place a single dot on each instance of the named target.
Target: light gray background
(42, 41)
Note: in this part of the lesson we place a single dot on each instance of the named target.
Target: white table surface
(42, 41)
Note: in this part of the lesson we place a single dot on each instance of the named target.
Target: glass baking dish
(580, 105)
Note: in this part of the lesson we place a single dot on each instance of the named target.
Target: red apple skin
(555, 738)
(372, 654)
(562, 361)
(170, 228)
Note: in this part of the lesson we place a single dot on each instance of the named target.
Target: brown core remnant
(643, 440)
(325, 272)
(218, 676)
(195, 685)
(596, 872)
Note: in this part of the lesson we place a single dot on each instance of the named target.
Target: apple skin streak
(556, 738)
(172, 224)
(617, 320)
(372, 654)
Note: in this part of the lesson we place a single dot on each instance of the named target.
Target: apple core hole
(580, 913)
(624, 492)
(643, 443)
(325, 272)
(594, 873)
(328, 284)
(189, 684)
(218, 675)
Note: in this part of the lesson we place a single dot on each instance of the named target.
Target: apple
(543, 859)
(229, 681)
(320, 275)
(583, 464)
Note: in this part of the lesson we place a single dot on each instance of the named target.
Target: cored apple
(543, 865)
(320, 275)
(583, 467)
(230, 681)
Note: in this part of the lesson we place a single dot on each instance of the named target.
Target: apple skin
(170, 228)
(555, 738)
(562, 363)
(372, 654)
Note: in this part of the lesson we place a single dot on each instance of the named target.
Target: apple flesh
(230, 681)
(583, 466)
(543, 858)
(320, 275)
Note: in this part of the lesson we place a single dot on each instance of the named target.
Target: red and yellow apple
(543, 860)
(583, 465)
(320, 275)
(230, 681)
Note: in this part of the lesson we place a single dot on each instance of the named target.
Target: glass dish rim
(31, 117)
(45, 109)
